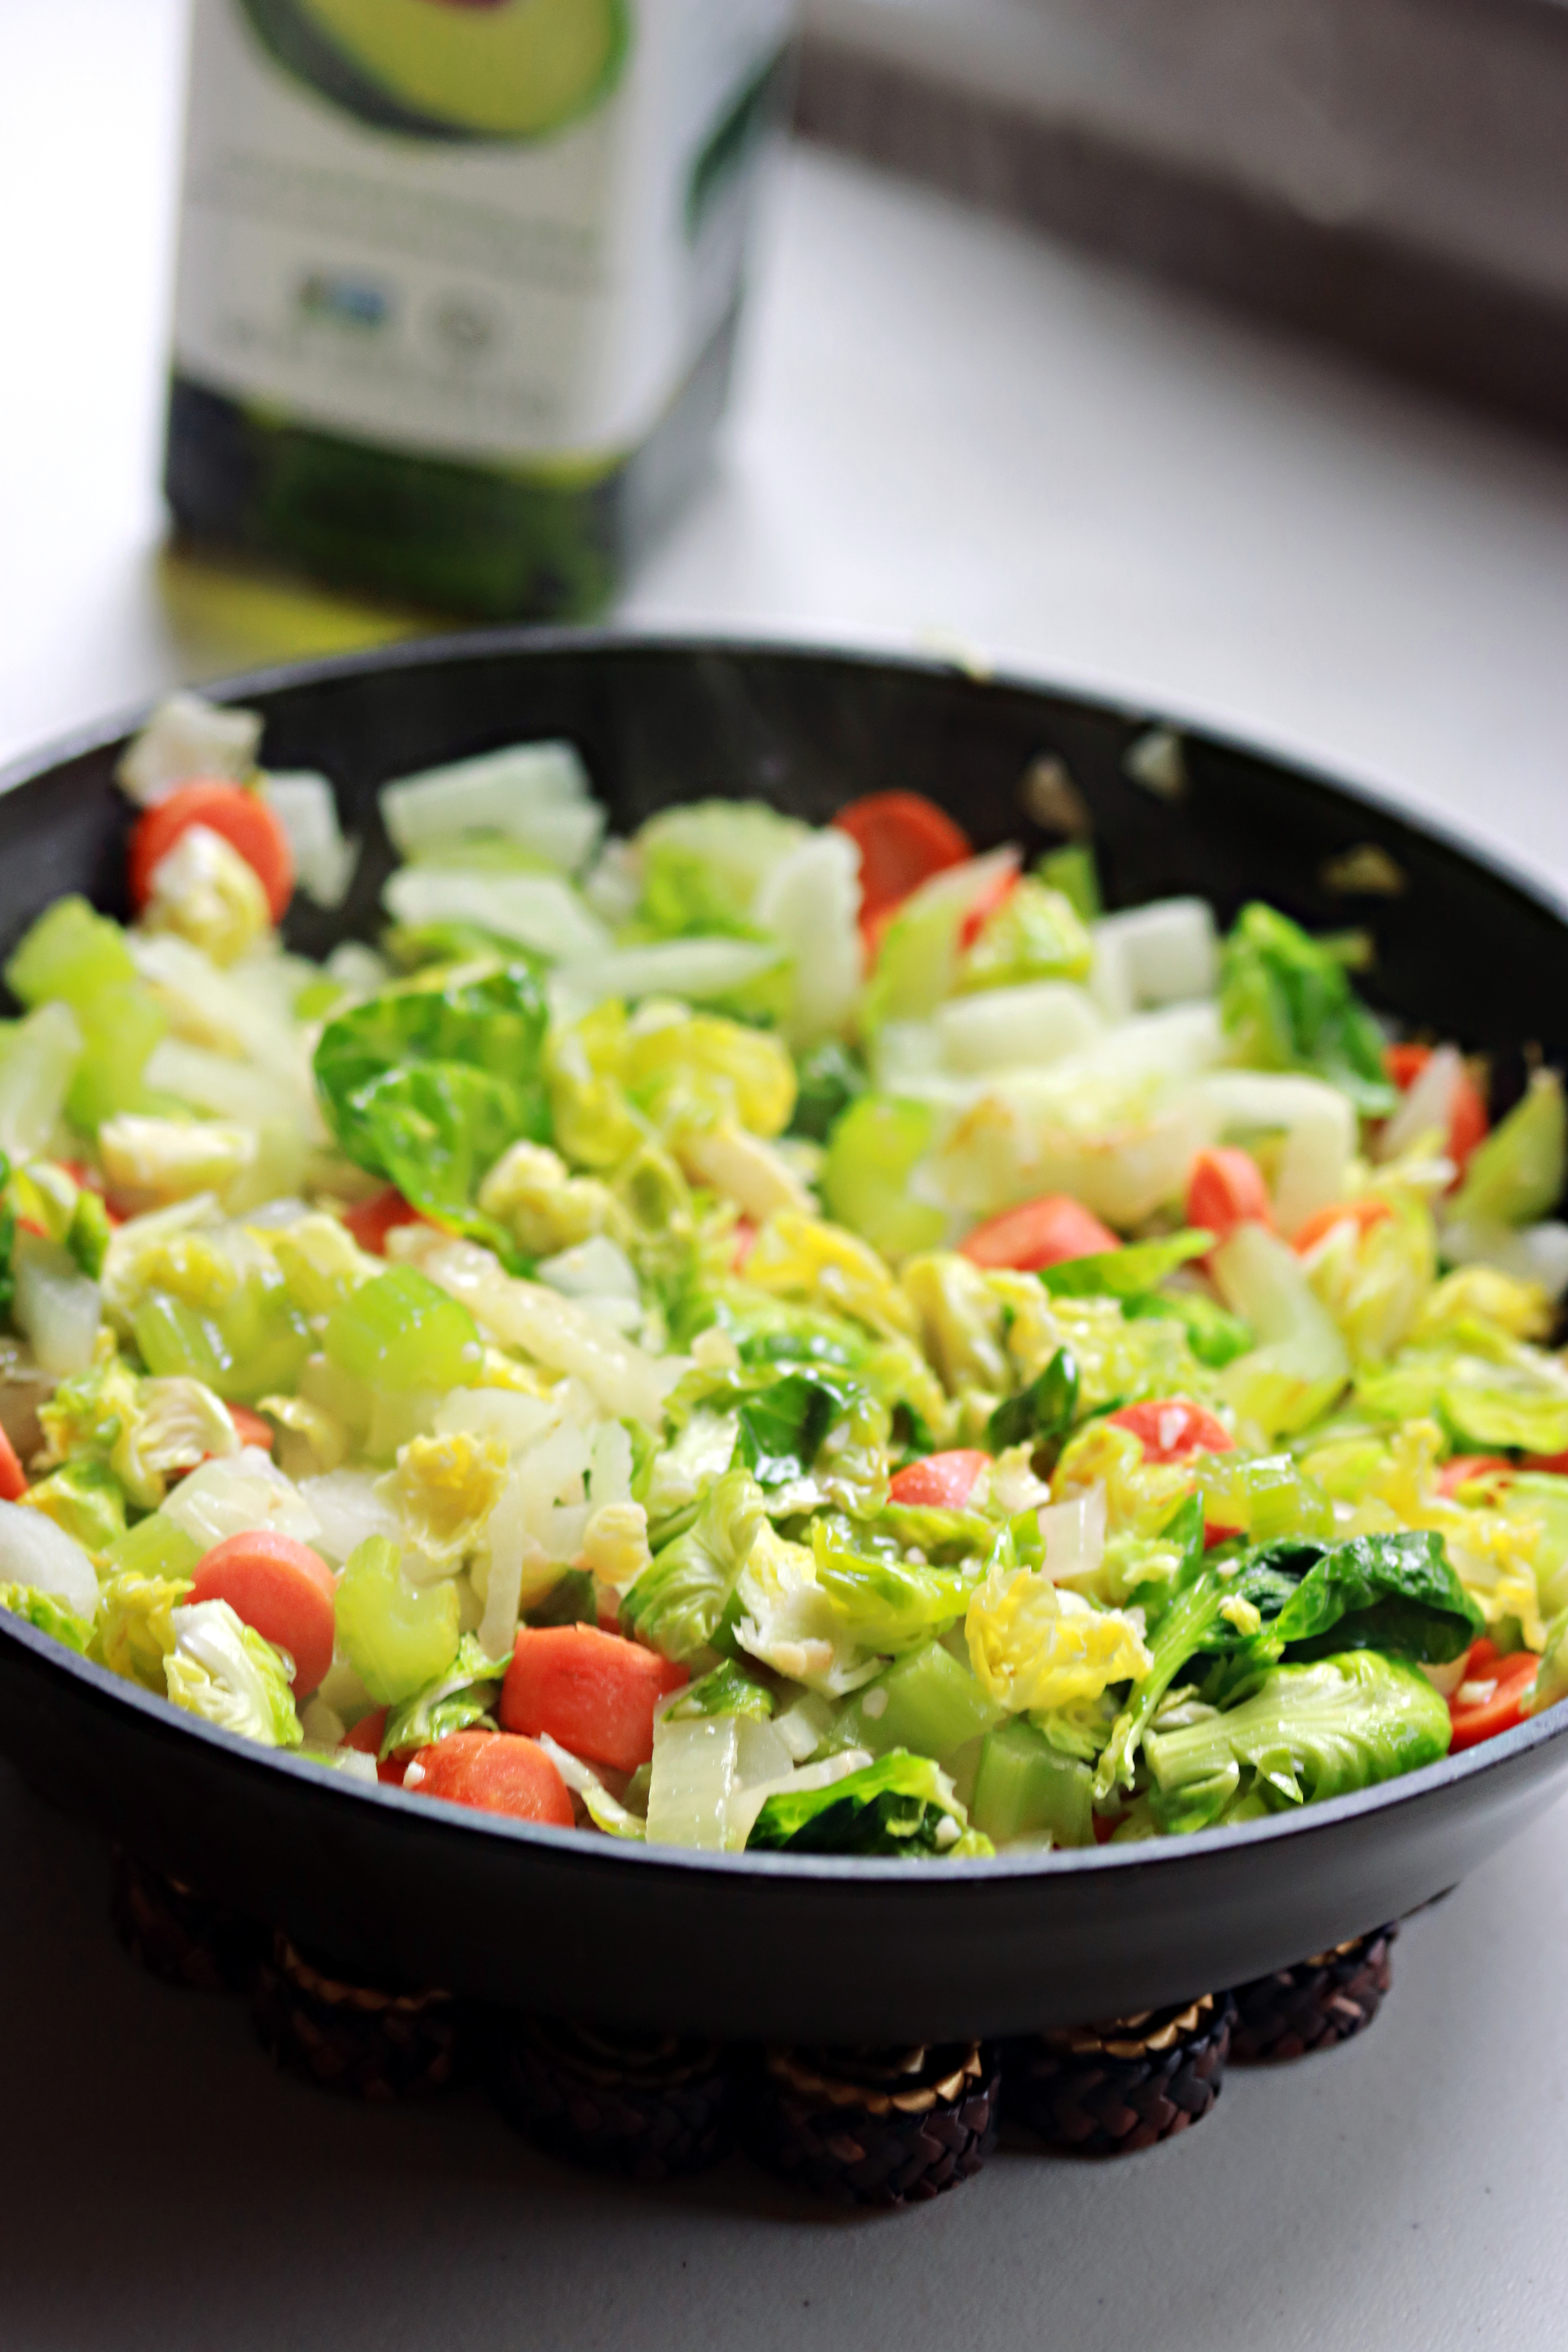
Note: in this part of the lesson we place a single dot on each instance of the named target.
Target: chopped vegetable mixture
(813, 1339)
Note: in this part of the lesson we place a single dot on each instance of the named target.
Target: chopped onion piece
(35, 1552)
(306, 808)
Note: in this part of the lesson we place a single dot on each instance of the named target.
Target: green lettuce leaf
(901, 1805)
(1126, 1273)
(222, 1670)
(1306, 1733)
(1287, 1003)
(465, 1695)
(428, 1085)
(47, 1614)
(680, 1600)
(1215, 1335)
(1046, 1409)
(887, 1604)
(728, 1690)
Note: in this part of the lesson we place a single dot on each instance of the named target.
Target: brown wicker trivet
(360, 2040)
(1114, 2088)
(177, 1935)
(885, 2128)
(645, 2105)
(1315, 2005)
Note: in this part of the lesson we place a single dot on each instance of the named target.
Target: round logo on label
(452, 69)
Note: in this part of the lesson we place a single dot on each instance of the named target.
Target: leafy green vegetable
(1517, 1174)
(222, 1670)
(1489, 1391)
(1125, 1272)
(1046, 1409)
(135, 1630)
(1306, 1733)
(87, 1500)
(781, 1427)
(1287, 1003)
(427, 1087)
(677, 1602)
(728, 1690)
(88, 1238)
(1215, 1335)
(703, 864)
(465, 1695)
(887, 1604)
(1395, 1592)
(902, 1805)
(830, 1079)
(47, 1614)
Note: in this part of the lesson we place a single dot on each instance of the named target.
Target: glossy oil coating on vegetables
(810, 1339)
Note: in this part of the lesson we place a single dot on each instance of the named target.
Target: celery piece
(1024, 1787)
(928, 1701)
(71, 954)
(176, 1343)
(120, 1028)
(1072, 870)
(874, 1151)
(397, 1639)
(155, 1546)
(400, 1332)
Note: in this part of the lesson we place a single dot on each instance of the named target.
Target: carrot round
(1042, 1232)
(243, 819)
(942, 1482)
(1491, 1697)
(593, 1691)
(13, 1477)
(1469, 1122)
(1170, 1428)
(1363, 1214)
(370, 1222)
(495, 1772)
(282, 1590)
(1462, 1469)
(1225, 1189)
(903, 840)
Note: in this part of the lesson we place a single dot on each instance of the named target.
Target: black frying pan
(753, 1945)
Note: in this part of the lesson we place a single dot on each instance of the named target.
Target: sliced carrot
(903, 840)
(243, 819)
(13, 1477)
(1170, 1428)
(1042, 1233)
(591, 1690)
(1461, 1468)
(495, 1772)
(742, 1241)
(1557, 1464)
(1491, 1696)
(370, 1222)
(281, 1588)
(1362, 1214)
(367, 1736)
(252, 1428)
(1214, 1534)
(942, 1482)
(1225, 1189)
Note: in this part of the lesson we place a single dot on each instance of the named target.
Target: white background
(945, 433)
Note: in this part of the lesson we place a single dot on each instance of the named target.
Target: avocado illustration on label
(459, 69)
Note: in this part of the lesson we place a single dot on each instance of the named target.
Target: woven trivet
(884, 2127)
(360, 2040)
(1114, 2088)
(1319, 2002)
(645, 2105)
(177, 1935)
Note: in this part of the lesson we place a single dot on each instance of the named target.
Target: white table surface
(945, 433)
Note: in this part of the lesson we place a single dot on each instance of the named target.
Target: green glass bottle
(458, 284)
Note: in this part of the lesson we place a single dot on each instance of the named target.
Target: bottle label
(496, 230)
